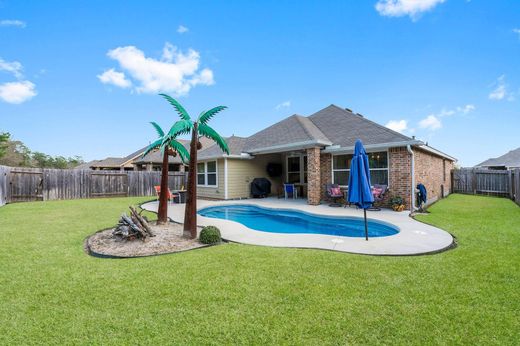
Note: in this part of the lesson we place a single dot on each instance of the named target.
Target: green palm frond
(180, 127)
(153, 146)
(208, 132)
(181, 149)
(178, 107)
(159, 130)
(206, 116)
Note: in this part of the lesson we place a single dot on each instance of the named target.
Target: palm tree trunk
(163, 196)
(190, 215)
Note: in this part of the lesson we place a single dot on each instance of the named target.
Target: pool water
(293, 221)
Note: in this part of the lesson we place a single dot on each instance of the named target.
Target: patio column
(313, 176)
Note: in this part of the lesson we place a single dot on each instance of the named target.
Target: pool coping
(414, 237)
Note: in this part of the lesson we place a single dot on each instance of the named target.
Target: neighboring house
(315, 150)
(136, 162)
(511, 160)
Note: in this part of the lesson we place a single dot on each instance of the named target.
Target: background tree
(198, 128)
(16, 154)
(4, 139)
(168, 146)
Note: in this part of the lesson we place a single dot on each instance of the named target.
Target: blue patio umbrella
(359, 187)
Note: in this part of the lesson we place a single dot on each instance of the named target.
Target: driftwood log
(133, 226)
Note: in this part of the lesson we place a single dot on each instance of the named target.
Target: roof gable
(291, 130)
(510, 159)
(343, 128)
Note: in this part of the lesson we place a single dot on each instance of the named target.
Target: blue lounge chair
(290, 190)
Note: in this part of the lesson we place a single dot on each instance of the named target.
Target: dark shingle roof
(235, 144)
(292, 130)
(156, 156)
(109, 162)
(511, 159)
(86, 165)
(343, 127)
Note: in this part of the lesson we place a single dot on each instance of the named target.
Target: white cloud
(434, 120)
(12, 67)
(175, 72)
(13, 22)
(397, 125)
(500, 91)
(411, 8)
(116, 78)
(182, 29)
(517, 31)
(466, 109)
(285, 104)
(17, 92)
(431, 122)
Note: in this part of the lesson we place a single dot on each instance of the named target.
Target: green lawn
(52, 292)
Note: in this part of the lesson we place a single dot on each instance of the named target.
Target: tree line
(15, 153)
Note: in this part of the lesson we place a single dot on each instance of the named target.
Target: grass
(51, 292)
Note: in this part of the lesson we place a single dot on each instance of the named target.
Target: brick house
(315, 150)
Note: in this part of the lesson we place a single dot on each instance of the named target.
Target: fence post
(474, 181)
(510, 181)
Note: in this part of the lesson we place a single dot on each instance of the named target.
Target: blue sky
(81, 78)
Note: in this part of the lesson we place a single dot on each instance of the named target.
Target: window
(297, 169)
(377, 161)
(207, 173)
(293, 169)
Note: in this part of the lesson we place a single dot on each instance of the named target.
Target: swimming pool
(293, 221)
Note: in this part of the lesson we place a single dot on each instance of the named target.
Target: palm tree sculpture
(168, 146)
(198, 128)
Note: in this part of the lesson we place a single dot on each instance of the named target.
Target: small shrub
(210, 235)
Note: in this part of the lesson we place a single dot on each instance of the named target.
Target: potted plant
(397, 203)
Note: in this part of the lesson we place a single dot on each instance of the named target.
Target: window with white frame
(297, 169)
(377, 161)
(207, 173)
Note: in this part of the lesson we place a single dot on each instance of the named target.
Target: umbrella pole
(366, 224)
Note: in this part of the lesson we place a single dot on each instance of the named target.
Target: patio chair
(334, 192)
(290, 189)
(171, 195)
(379, 192)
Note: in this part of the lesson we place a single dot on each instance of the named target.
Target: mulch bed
(168, 239)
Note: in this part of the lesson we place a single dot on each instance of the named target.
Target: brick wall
(314, 176)
(434, 173)
(399, 176)
(429, 170)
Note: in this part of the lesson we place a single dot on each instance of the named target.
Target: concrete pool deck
(414, 237)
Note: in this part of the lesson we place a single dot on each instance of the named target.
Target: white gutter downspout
(409, 148)
(225, 179)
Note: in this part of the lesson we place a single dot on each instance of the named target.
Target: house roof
(235, 144)
(510, 159)
(86, 165)
(155, 156)
(109, 162)
(343, 128)
(294, 130)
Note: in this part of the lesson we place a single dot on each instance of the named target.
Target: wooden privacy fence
(504, 183)
(33, 184)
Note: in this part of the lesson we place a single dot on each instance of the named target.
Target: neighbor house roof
(156, 156)
(109, 162)
(510, 159)
(86, 165)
